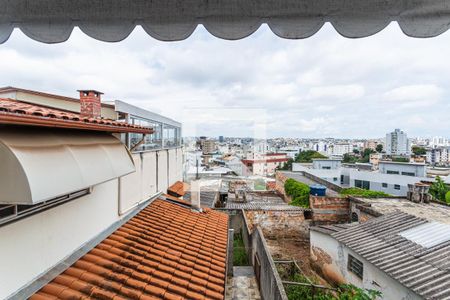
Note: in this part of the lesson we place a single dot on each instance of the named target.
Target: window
(392, 172)
(335, 179)
(151, 141)
(13, 212)
(396, 186)
(385, 185)
(326, 168)
(355, 266)
(362, 184)
(408, 174)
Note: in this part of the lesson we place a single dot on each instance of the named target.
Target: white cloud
(321, 86)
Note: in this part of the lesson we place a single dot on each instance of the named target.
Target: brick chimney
(90, 104)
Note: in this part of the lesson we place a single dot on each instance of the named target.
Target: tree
(379, 148)
(287, 166)
(439, 189)
(418, 150)
(366, 155)
(308, 156)
(355, 151)
(348, 158)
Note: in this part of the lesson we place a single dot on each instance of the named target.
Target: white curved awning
(51, 21)
(38, 165)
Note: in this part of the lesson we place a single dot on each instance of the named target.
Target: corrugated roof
(167, 251)
(429, 234)
(426, 271)
(15, 112)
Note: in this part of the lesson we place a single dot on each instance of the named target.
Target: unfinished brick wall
(329, 210)
(276, 224)
(280, 179)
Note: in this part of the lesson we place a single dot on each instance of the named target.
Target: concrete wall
(329, 257)
(271, 287)
(418, 170)
(33, 245)
(329, 210)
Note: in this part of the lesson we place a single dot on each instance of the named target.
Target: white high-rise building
(397, 143)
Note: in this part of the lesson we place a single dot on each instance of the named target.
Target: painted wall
(330, 258)
(33, 245)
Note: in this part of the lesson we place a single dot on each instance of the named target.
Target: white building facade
(397, 143)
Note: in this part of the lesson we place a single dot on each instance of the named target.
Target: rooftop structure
(166, 251)
(382, 206)
(398, 254)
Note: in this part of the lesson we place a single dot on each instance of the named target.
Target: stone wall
(279, 224)
(329, 210)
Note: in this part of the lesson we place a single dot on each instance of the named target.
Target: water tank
(318, 190)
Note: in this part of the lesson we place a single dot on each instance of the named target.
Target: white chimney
(195, 195)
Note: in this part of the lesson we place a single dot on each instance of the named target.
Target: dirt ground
(294, 249)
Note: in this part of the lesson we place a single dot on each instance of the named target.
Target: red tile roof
(14, 112)
(8, 89)
(178, 189)
(166, 251)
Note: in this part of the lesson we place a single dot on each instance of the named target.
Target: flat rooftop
(260, 201)
(429, 211)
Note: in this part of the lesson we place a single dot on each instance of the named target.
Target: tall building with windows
(397, 143)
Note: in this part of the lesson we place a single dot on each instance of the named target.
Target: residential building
(264, 164)
(439, 141)
(393, 184)
(326, 163)
(397, 143)
(77, 187)
(438, 156)
(371, 144)
(402, 168)
(339, 149)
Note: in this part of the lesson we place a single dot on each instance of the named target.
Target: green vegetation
(418, 150)
(362, 193)
(362, 157)
(308, 156)
(379, 148)
(239, 254)
(400, 159)
(447, 197)
(306, 292)
(439, 189)
(298, 191)
(287, 165)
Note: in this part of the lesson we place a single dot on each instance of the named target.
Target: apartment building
(397, 143)
(438, 156)
(80, 180)
(263, 164)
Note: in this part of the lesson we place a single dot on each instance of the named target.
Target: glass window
(396, 186)
(362, 184)
(408, 174)
(151, 141)
(391, 172)
(385, 185)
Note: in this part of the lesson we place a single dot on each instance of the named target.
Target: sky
(261, 86)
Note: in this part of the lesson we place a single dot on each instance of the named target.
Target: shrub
(362, 193)
(298, 191)
(439, 189)
(447, 197)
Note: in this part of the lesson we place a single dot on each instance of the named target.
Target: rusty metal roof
(381, 241)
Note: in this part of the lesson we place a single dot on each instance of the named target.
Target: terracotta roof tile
(15, 112)
(178, 189)
(166, 251)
